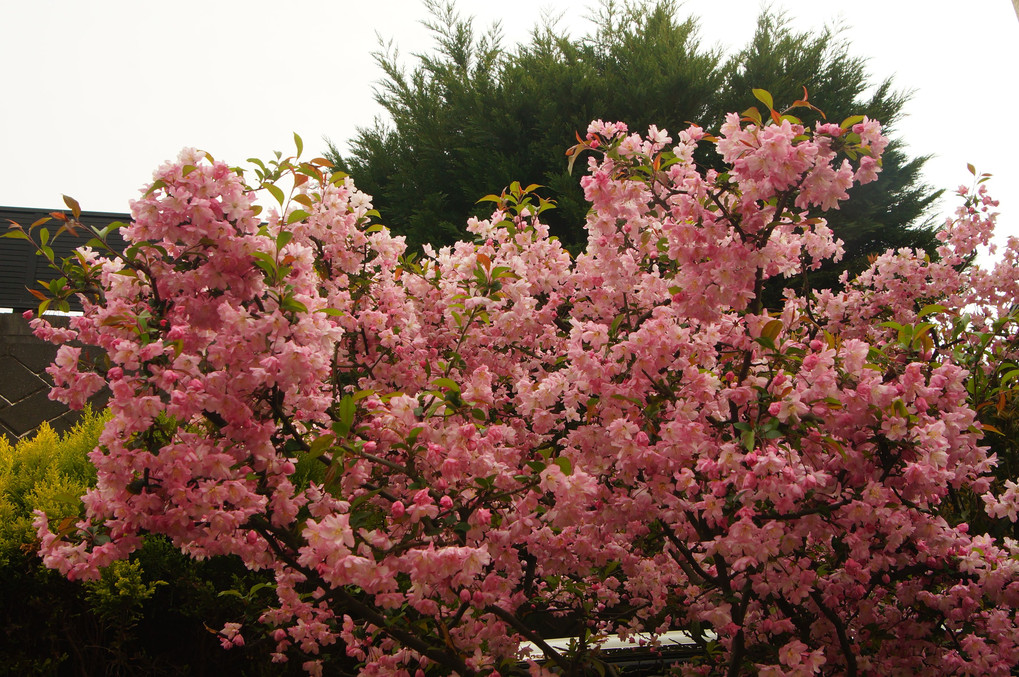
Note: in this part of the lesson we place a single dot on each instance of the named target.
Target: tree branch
(840, 632)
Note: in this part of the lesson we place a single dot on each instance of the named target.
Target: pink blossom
(626, 437)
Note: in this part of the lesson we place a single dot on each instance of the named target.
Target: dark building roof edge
(122, 216)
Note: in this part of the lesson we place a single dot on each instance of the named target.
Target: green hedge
(153, 615)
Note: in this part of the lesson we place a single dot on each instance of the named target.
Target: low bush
(143, 616)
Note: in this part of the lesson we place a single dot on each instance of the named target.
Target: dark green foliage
(153, 615)
(475, 116)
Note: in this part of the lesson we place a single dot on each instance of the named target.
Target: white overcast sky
(96, 94)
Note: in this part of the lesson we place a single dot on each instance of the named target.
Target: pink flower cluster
(433, 456)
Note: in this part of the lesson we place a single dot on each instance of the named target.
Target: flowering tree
(430, 456)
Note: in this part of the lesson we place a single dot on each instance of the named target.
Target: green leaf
(345, 410)
(831, 441)
(283, 239)
(311, 171)
(930, 310)
(754, 115)
(850, 121)
(276, 192)
(156, 185)
(265, 261)
(618, 320)
(764, 96)
(319, 445)
(293, 305)
(297, 215)
(258, 586)
(1009, 376)
(412, 436)
(331, 312)
(772, 329)
(564, 464)
(446, 383)
(503, 271)
(299, 143)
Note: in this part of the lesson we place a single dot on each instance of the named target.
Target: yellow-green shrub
(146, 616)
(46, 472)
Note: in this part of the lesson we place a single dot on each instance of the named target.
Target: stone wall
(24, 383)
